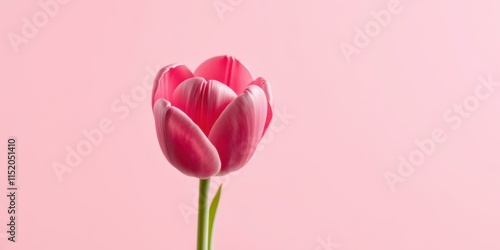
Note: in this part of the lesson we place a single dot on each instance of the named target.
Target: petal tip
(167, 79)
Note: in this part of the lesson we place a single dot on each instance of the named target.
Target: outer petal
(239, 129)
(183, 143)
(167, 79)
(225, 69)
(264, 85)
(261, 82)
(202, 101)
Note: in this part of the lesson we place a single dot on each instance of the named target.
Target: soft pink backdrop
(319, 177)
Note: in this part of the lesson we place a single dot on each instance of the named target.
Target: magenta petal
(268, 118)
(167, 79)
(239, 129)
(183, 143)
(262, 83)
(226, 69)
(202, 101)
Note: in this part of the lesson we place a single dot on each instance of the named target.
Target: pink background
(318, 181)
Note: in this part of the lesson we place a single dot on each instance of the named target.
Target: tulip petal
(167, 79)
(262, 83)
(239, 129)
(202, 101)
(226, 69)
(183, 143)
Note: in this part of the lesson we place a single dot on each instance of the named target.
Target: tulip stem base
(203, 214)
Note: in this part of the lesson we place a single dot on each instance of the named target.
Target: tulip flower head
(210, 122)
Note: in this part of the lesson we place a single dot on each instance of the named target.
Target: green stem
(203, 210)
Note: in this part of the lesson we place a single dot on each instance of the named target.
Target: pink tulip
(209, 122)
